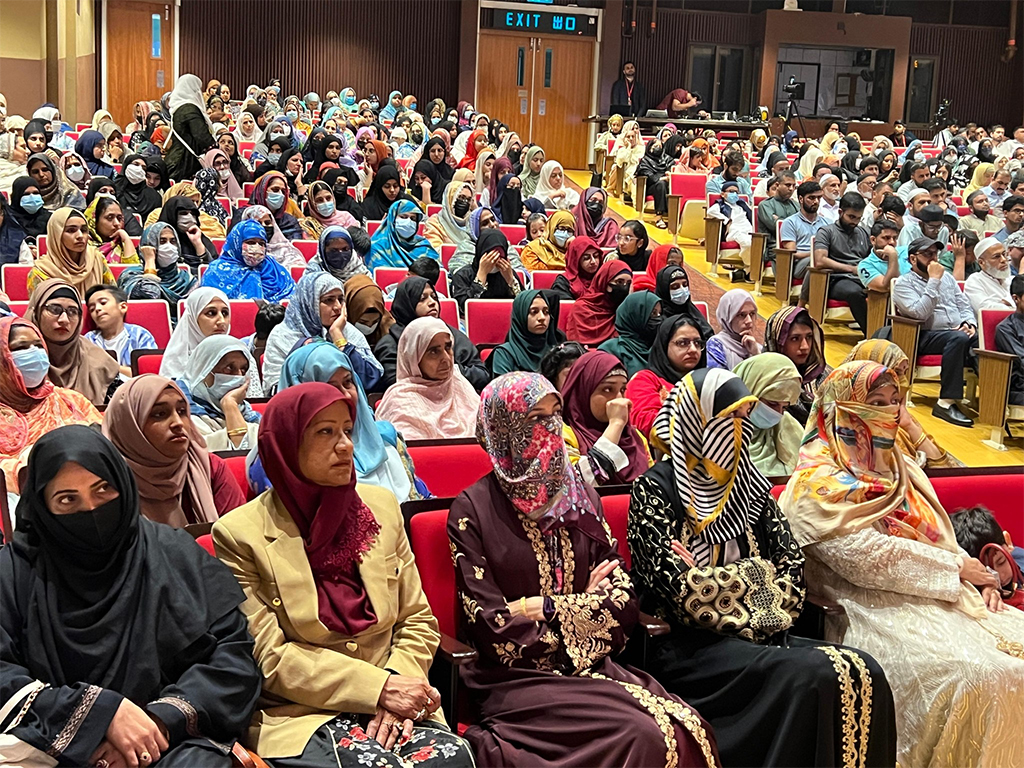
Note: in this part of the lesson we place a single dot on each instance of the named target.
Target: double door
(541, 87)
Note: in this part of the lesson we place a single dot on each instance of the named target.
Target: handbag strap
(25, 692)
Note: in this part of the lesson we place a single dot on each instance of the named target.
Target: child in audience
(108, 306)
(979, 534)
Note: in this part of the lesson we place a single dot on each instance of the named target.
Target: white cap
(985, 244)
(917, 193)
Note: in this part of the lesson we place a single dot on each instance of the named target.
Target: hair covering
(140, 198)
(85, 145)
(59, 190)
(544, 249)
(528, 176)
(605, 230)
(580, 245)
(34, 224)
(172, 283)
(544, 187)
(112, 250)
(187, 334)
(523, 348)
(480, 180)
(636, 332)
(76, 363)
(729, 307)
(422, 408)
(232, 190)
(771, 376)
(455, 230)
(268, 280)
(593, 317)
(469, 160)
(656, 262)
(777, 333)
(174, 206)
(658, 360)
(344, 271)
(161, 480)
(376, 204)
(715, 479)
(302, 316)
(204, 358)
(189, 90)
(80, 272)
(530, 460)
(279, 247)
(392, 250)
(669, 308)
(13, 392)
(335, 525)
(363, 295)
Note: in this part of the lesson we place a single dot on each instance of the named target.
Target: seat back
(307, 248)
(236, 465)
(688, 186)
(513, 232)
(428, 537)
(243, 316)
(14, 279)
(447, 251)
(448, 467)
(372, 226)
(146, 361)
(206, 542)
(488, 320)
(545, 278)
(616, 512)
(1001, 494)
(990, 318)
(702, 307)
(387, 276)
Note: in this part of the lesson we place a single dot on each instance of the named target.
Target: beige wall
(24, 55)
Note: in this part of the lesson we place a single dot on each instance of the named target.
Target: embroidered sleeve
(590, 622)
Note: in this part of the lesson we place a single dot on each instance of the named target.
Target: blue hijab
(388, 112)
(85, 145)
(268, 280)
(318, 361)
(389, 249)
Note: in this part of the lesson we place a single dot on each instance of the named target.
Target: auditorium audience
(346, 642)
(191, 129)
(124, 635)
(660, 258)
(533, 162)
(989, 288)
(637, 320)
(512, 614)
(55, 189)
(792, 332)
(69, 256)
(12, 234)
(532, 332)
(582, 260)
(207, 312)
(107, 306)
(550, 250)
(673, 288)
(980, 218)
(26, 206)
(737, 315)
(737, 227)
(396, 242)
(1013, 217)
(734, 655)
(592, 320)
(776, 208)
(980, 535)
(132, 190)
(631, 245)
(480, 220)
(272, 192)
(879, 543)
(775, 440)
(243, 270)
(884, 262)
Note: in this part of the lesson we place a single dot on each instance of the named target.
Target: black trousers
(657, 187)
(955, 348)
(841, 287)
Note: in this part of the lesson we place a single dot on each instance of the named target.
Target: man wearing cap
(928, 224)
(1010, 339)
(1013, 217)
(989, 288)
(980, 219)
(738, 226)
(930, 294)
(840, 247)
(1015, 251)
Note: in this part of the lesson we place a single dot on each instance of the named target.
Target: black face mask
(269, 230)
(596, 210)
(338, 259)
(617, 294)
(514, 155)
(657, 151)
(653, 324)
(92, 531)
(460, 207)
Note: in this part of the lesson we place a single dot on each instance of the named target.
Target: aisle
(963, 443)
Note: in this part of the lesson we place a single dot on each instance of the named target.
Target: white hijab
(187, 334)
(545, 188)
(189, 90)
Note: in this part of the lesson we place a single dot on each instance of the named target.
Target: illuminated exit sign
(540, 22)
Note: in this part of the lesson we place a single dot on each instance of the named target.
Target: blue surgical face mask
(292, 115)
(222, 384)
(33, 365)
(561, 238)
(679, 295)
(273, 157)
(763, 417)
(350, 100)
(374, 105)
(413, 106)
(275, 200)
(406, 228)
(31, 203)
(732, 197)
(325, 208)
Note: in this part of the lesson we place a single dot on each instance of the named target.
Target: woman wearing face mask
(775, 381)
(31, 405)
(196, 248)
(75, 170)
(323, 211)
(673, 288)
(279, 247)
(480, 220)
(272, 192)
(132, 190)
(216, 382)
(533, 331)
(507, 201)
(278, 129)
(12, 236)
(593, 317)
(582, 260)
(591, 220)
(631, 245)
(737, 316)
(191, 128)
(602, 443)
(396, 242)
(243, 270)
(450, 225)
(69, 254)
(365, 302)
(158, 276)
(337, 255)
(490, 276)
(637, 321)
(549, 251)
(57, 191)
(107, 233)
(340, 180)
(552, 190)
(27, 207)
(227, 185)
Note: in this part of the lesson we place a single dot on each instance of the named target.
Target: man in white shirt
(990, 288)
(919, 174)
(831, 186)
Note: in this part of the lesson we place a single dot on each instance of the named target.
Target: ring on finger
(101, 763)
(145, 757)
(421, 714)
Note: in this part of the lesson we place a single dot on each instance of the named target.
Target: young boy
(980, 535)
(107, 305)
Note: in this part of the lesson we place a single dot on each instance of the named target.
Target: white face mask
(224, 174)
(679, 295)
(223, 383)
(135, 174)
(75, 172)
(166, 254)
(366, 330)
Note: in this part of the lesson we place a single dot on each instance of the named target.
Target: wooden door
(504, 74)
(562, 84)
(140, 55)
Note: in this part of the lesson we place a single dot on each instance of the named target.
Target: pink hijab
(234, 191)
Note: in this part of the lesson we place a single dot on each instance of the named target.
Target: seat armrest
(653, 625)
(903, 320)
(456, 653)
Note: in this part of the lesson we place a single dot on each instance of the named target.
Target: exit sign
(539, 22)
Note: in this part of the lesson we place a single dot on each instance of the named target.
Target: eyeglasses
(56, 310)
(684, 344)
(625, 238)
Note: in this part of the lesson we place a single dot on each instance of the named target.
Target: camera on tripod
(794, 89)
(942, 118)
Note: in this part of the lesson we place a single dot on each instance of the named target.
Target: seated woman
(637, 321)
(158, 276)
(602, 443)
(243, 270)
(317, 311)
(549, 250)
(626, 154)
(631, 245)
(582, 260)
(30, 404)
(677, 349)
(364, 300)
(661, 257)
(75, 362)
(490, 276)
(551, 188)
(673, 288)
(216, 383)
(713, 555)
(737, 314)
(415, 297)
(345, 633)
(430, 398)
(533, 161)
(279, 247)
(179, 481)
(387, 188)
(207, 313)
(880, 544)
(132, 190)
(916, 444)
(480, 220)
(396, 242)
(336, 254)
(557, 362)
(593, 317)
(69, 255)
(56, 190)
(507, 201)
(534, 330)
(107, 234)
(271, 191)
(381, 457)
(591, 218)
(794, 333)
(146, 657)
(534, 560)
(323, 211)
(183, 214)
(450, 225)
(775, 382)
(659, 158)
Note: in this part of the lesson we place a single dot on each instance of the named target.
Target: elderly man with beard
(990, 288)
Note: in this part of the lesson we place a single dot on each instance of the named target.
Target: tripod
(791, 112)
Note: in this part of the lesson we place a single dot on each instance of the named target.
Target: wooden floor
(963, 443)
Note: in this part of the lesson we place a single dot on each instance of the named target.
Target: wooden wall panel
(374, 46)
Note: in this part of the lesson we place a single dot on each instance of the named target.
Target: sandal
(660, 224)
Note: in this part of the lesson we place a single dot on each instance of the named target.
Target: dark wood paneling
(374, 46)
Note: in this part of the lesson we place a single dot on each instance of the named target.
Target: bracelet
(149, 271)
(237, 432)
(924, 436)
(522, 605)
(341, 343)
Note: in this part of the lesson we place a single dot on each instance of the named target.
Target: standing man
(626, 91)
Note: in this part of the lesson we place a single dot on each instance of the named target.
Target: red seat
(388, 276)
(564, 313)
(833, 304)
(297, 273)
(689, 186)
(730, 245)
(218, 243)
(226, 202)
(449, 467)
(14, 279)
(307, 248)
(545, 278)
(488, 320)
(372, 226)
(702, 306)
(929, 361)
(243, 316)
(206, 542)
(236, 464)
(20, 308)
(433, 210)
(247, 189)
(1001, 494)
(147, 361)
(990, 318)
(513, 232)
(428, 537)
(616, 512)
(447, 251)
